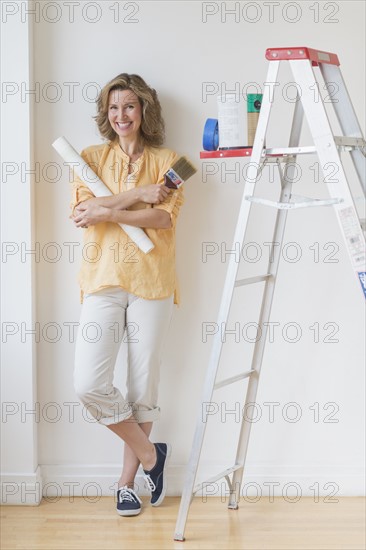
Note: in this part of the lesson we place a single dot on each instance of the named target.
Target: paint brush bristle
(184, 168)
(181, 170)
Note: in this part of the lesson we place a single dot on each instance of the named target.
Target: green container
(254, 102)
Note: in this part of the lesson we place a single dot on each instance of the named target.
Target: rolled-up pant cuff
(146, 415)
(115, 419)
(132, 415)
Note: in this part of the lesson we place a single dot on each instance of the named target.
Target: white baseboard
(91, 482)
(21, 488)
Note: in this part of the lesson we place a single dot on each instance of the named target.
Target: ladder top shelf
(224, 153)
(315, 56)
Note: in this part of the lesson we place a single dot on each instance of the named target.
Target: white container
(232, 121)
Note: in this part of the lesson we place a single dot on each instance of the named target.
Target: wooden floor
(262, 525)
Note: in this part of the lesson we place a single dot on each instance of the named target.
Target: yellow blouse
(109, 256)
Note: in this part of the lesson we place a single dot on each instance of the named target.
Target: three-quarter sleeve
(172, 204)
(175, 199)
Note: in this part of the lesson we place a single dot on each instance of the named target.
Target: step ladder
(328, 148)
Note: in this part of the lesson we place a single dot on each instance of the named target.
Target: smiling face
(125, 114)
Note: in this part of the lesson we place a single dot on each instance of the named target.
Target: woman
(123, 290)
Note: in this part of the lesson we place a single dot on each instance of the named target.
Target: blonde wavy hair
(152, 129)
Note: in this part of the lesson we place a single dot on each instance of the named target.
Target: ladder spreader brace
(327, 147)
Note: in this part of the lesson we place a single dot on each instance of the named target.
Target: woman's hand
(153, 193)
(90, 213)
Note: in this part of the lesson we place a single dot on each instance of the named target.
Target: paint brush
(181, 170)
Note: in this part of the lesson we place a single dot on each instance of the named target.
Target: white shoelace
(149, 482)
(125, 493)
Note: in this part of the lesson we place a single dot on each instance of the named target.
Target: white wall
(182, 56)
(21, 475)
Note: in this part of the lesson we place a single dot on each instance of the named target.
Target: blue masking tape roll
(211, 135)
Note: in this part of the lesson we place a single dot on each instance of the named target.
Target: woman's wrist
(112, 215)
(138, 194)
(127, 198)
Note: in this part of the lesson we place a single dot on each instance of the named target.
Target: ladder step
(341, 141)
(222, 474)
(281, 151)
(251, 280)
(233, 379)
(348, 141)
(306, 203)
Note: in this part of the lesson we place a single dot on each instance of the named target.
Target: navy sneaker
(156, 478)
(128, 503)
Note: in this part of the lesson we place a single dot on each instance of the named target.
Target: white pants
(109, 317)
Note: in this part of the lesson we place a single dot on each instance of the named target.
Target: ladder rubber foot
(233, 506)
(179, 538)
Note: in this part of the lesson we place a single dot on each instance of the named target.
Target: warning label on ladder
(362, 277)
(349, 221)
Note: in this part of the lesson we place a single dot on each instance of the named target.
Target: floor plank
(262, 525)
